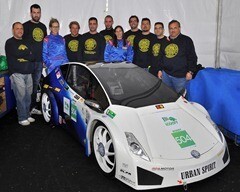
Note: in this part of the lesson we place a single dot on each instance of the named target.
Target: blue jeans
(175, 83)
(36, 76)
(22, 87)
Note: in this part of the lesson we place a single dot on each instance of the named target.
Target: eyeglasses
(55, 27)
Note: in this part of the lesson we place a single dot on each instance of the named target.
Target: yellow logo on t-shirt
(38, 34)
(131, 39)
(156, 49)
(90, 44)
(108, 37)
(171, 50)
(73, 45)
(144, 45)
(22, 47)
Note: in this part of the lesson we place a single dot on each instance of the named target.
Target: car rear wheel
(104, 150)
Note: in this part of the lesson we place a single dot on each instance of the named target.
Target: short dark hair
(159, 23)
(53, 20)
(109, 16)
(174, 21)
(92, 18)
(13, 25)
(133, 16)
(74, 23)
(146, 19)
(35, 6)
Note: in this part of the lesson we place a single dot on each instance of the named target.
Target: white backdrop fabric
(198, 20)
(229, 38)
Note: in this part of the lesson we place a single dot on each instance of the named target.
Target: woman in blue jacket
(54, 50)
(118, 49)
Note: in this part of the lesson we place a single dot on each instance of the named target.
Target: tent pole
(218, 37)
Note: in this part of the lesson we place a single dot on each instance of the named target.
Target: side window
(86, 85)
(78, 79)
(97, 93)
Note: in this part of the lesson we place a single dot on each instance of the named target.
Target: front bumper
(161, 173)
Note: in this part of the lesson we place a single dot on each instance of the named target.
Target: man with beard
(72, 41)
(35, 31)
(130, 34)
(179, 58)
(143, 46)
(108, 32)
(93, 43)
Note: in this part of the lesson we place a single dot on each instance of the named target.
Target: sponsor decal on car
(45, 86)
(127, 180)
(74, 112)
(125, 172)
(61, 81)
(66, 105)
(183, 138)
(195, 154)
(76, 97)
(163, 169)
(198, 171)
(57, 89)
(169, 121)
(110, 113)
(159, 106)
(58, 74)
(81, 100)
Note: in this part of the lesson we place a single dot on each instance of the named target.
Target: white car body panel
(158, 129)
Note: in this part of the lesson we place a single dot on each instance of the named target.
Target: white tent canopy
(211, 24)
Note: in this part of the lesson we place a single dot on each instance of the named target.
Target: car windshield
(132, 86)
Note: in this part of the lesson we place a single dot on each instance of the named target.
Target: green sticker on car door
(183, 138)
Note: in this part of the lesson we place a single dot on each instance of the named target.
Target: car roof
(112, 65)
(106, 65)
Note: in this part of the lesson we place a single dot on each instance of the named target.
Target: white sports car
(139, 130)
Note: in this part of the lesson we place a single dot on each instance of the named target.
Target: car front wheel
(49, 107)
(104, 150)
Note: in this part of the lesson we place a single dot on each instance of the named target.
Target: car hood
(173, 133)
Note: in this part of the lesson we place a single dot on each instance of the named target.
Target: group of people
(173, 58)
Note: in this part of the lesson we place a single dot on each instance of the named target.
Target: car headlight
(135, 146)
(216, 128)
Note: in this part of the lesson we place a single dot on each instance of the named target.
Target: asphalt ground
(39, 158)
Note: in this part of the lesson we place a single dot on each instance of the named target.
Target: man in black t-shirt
(157, 56)
(20, 66)
(35, 31)
(72, 41)
(93, 43)
(108, 32)
(179, 58)
(130, 34)
(143, 46)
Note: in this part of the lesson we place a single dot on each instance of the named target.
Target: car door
(82, 86)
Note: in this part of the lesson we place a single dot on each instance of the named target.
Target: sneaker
(30, 119)
(24, 122)
(35, 112)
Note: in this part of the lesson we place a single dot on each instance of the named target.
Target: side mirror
(94, 105)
